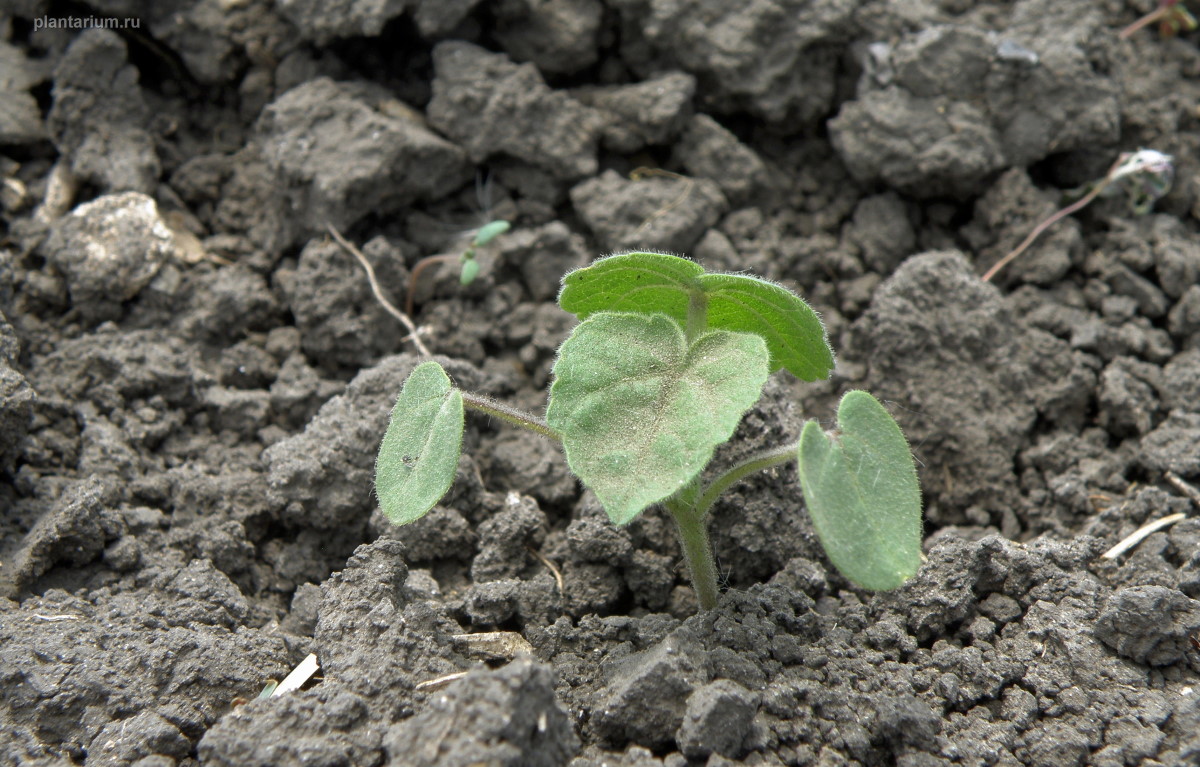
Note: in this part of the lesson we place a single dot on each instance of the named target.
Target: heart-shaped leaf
(640, 412)
(860, 485)
(658, 283)
(419, 454)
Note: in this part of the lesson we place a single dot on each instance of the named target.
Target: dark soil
(194, 378)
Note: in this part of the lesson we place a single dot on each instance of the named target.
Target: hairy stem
(509, 414)
(693, 535)
(734, 474)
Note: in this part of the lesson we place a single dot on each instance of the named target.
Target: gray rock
(75, 531)
(323, 475)
(646, 697)
(438, 18)
(969, 378)
(779, 60)
(97, 655)
(1004, 217)
(508, 718)
(492, 106)
(1149, 624)
(543, 255)
(1184, 318)
(920, 146)
(506, 537)
(657, 213)
(109, 249)
(718, 719)
(653, 111)
(322, 22)
(1181, 382)
(1127, 400)
(560, 37)
(16, 397)
(945, 109)
(340, 321)
(1172, 446)
(20, 117)
(708, 150)
(343, 151)
(881, 228)
(99, 116)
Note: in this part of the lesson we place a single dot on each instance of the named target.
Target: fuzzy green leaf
(860, 485)
(645, 283)
(640, 412)
(419, 454)
(792, 330)
(658, 283)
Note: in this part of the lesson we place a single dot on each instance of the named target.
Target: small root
(405, 320)
(637, 174)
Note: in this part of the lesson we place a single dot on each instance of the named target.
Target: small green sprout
(664, 363)
(469, 266)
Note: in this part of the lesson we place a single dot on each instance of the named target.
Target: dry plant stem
(1077, 205)
(1143, 532)
(509, 414)
(405, 320)
(421, 266)
(637, 174)
(1184, 487)
(1158, 13)
(558, 577)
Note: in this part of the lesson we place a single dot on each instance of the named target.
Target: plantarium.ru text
(663, 364)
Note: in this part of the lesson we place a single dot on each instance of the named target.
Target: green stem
(756, 462)
(696, 550)
(509, 414)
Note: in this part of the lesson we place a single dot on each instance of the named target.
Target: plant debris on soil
(195, 377)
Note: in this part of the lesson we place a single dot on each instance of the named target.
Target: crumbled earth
(195, 376)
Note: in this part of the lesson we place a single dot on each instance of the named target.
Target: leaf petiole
(509, 414)
(731, 476)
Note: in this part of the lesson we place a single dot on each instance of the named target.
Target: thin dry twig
(301, 674)
(405, 320)
(441, 681)
(1139, 535)
(558, 578)
(1174, 17)
(1079, 204)
(1184, 487)
(637, 174)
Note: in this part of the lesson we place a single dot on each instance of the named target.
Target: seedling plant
(1144, 176)
(468, 266)
(658, 373)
